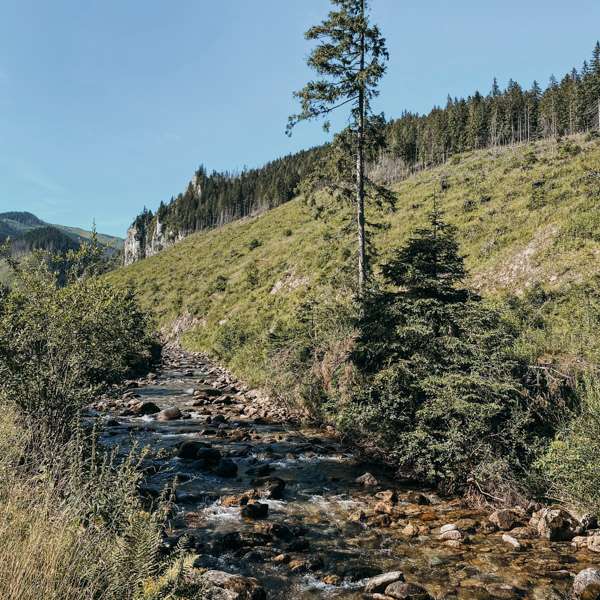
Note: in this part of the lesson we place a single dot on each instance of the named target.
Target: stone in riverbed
(379, 583)
(556, 524)
(270, 487)
(188, 450)
(593, 542)
(208, 457)
(505, 519)
(255, 510)
(226, 468)
(406, 591)
(169, 414)
(512, 542)
(418, 499)
(146, 408)
(452, 534)
(586, 585)
(242, 588)
(367, 480)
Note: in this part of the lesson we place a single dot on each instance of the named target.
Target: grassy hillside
(527, 215)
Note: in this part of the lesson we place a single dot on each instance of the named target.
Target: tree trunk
(360, 177)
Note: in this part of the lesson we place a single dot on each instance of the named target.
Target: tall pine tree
(350, 59)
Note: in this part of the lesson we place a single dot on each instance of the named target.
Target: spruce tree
(350, 59)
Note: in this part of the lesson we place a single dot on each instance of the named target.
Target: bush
(308, 355)
(60, 345)
(572, 462)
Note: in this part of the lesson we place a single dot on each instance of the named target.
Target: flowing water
(328, 548)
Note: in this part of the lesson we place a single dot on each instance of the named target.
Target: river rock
(586, 585)
(188, 450)
(270, 487)
(593, 542)
(208, 457)
(579, 542)
(255, 510)
(389, 497)
(367, 480)
(379, 583)
(512, 542)
(451, 534)
(556, 524)
(406, 591)
(504, 519)
(226, 468)
(146, 408)
(169, 414)
(418, 498)
(244, 588)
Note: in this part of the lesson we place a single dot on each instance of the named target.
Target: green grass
(526, 215)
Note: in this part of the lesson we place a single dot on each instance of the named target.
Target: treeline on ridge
(513, 115)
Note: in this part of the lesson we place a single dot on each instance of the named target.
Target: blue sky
(110, 105)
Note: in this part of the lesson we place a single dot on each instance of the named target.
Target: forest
(501, 117)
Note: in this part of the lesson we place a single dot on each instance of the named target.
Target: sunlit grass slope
(526, 215)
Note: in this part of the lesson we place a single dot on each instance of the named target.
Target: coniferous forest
(502, 117)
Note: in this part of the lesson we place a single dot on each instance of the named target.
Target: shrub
(60, 345)
(66, 521)
(572, 462)
(254, 243)
(308, 354)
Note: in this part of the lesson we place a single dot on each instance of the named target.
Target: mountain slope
(527, 217)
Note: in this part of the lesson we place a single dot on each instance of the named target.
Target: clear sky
(110, 105)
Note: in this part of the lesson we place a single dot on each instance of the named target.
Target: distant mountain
(47, 238)
(18, 227)
(27, 233)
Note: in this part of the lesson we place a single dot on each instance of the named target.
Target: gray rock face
(140, 244)
(586, 585)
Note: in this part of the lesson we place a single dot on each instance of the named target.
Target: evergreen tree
(438, 368)
(350, 59)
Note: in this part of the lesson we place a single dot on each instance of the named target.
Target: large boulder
(556, 524)
(188, 450)
(240, 588)
(146, 408)
(226, 468)
(593, 542)
(255, 510)
(505, 519)
(169, 414)
(270, 487)
(406, 591)
(586, 585)
(367, 480)
(378, 584)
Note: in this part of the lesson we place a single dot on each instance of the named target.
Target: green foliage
(59, 344)
(441, 390)
(350, 58)
(572, 462)
(308, 353)
(254, 243)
